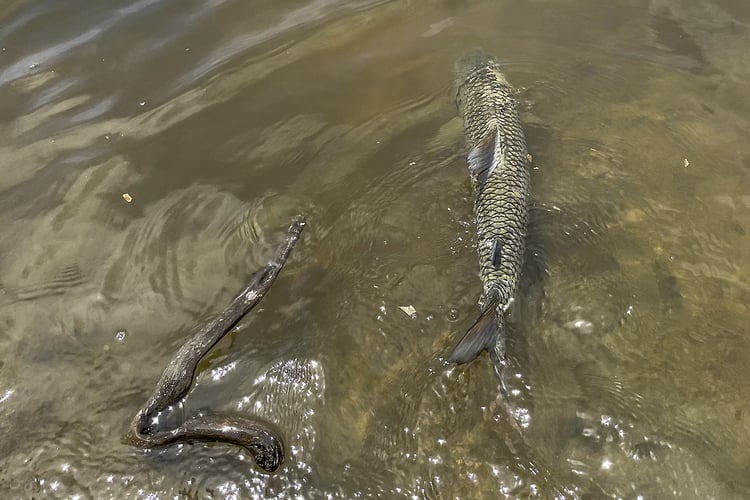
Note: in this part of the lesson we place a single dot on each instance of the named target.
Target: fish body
(498, 162)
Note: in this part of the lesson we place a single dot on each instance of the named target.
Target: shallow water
(223, 119)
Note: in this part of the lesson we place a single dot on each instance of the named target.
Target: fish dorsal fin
(483, 158)
(497, 253)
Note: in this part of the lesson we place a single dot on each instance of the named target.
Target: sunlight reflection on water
(221, 119)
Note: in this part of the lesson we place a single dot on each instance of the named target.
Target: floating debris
(409, 310)
(685, 163)
(127, 197)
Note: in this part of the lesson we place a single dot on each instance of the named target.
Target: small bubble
(120, 336)
(142, 103)
(453, 314)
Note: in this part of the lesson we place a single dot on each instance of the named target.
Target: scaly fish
(499, 166)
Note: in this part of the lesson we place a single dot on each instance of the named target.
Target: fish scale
(498, 163)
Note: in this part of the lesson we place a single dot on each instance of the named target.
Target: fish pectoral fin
(482, 335)
(482, 159)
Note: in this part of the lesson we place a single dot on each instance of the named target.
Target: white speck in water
(409, 311)
(7, 395)
(606, 464)
(581, 325)
(121, 335)
(33, 66)
(412, 163)
(629, 311)
(142, 103)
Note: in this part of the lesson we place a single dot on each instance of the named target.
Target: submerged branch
(258, 437)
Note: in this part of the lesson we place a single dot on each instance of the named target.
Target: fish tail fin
(481, 336)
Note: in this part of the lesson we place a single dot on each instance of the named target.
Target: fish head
(475, 70)
(473, 60)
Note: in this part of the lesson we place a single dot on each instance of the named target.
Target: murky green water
(222, 119)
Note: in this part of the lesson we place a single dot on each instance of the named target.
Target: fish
(499, 165)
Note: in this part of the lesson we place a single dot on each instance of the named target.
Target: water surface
(223, 119)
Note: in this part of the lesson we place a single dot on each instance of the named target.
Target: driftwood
(258, 437)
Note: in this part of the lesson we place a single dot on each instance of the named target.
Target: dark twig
(256, 436)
